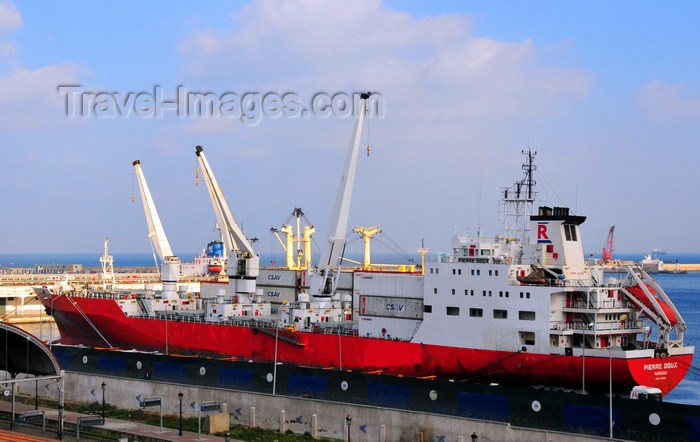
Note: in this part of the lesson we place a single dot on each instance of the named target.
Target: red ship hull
(353, 352)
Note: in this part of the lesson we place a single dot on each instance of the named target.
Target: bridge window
(453, 311)
(570, 232)
(476, 312)
(526, 315)
(500, 314)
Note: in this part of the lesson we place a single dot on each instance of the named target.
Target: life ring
(510, 260)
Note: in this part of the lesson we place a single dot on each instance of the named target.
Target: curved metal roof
(22, 352)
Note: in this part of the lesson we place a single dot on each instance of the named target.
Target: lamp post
(583, 356)
(348, 421)
(104, 385)
(622, 318)
(179, 396)
(274, 369)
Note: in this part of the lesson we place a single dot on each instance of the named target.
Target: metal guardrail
(88, 421)
(34, 416)
(594, 305)
(630, 326)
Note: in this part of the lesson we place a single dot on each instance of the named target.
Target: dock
(673, 267)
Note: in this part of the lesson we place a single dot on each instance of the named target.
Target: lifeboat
(214, 268)
(640, 299)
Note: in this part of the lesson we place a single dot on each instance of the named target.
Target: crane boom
(170, 264)
(236, 246)
(338, 224)
(608, 248)
(155, 228)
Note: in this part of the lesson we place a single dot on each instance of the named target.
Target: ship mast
(324, 281)
(170, 264)
(367, 234)
(241, 261)
(291, 238)
(519, 202)
(107, 262)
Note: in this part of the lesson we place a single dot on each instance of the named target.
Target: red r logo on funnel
(542, 237)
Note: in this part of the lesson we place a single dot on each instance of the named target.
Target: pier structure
(381, 407)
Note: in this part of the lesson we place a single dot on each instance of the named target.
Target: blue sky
(607, 93)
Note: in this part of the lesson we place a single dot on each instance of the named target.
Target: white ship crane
(324, 281)
(170, 264)
(242, 264)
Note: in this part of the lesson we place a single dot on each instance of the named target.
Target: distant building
(16, 270)
(58, 268)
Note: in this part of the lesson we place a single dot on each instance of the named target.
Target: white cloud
(663, 101)
(7, 49)
(10, 17)
(315, 45)
(29, 99)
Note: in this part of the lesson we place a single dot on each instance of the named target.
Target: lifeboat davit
(639, 297)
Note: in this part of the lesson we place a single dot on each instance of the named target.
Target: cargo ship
(522, 308)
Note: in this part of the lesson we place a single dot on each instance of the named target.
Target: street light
(583, 355)
(179, 396)
(274, 369)
(348, 421)
(104, 385)
(622, 318)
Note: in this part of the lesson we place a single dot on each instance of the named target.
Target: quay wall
(300, 415)
(682, 267)
(320, 399)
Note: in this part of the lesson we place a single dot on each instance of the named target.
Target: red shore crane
(608, 248)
